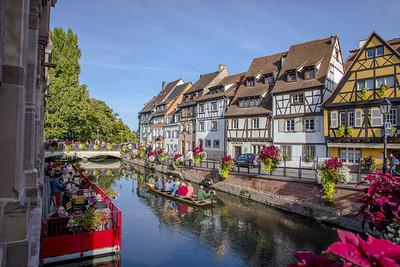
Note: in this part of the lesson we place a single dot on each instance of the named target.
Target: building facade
(172, 133)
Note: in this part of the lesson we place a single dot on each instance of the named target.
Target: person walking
(393, 163)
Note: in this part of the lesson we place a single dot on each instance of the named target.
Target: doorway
(238, 151)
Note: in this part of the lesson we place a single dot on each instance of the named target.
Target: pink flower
(177, 156)
(150, 154)
(307, 258)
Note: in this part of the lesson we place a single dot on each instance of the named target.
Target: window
(342, 118)
(258, 102)
(214, 106)
(379, 51)
(270, 79)
(309, 74)
(169, 134)
(291, 77)
(309, 125)
(214, 126)
(201, 108)
(358, 120)
(297, 99)
(308, 152)
(247, 102)
(350, 119)
(208, 143)
(235, 124)
(253, 102)
(286, 152)
(250, 82)
(201, 126)
(290, 125)
(256, 149)
(392, 117)
(376, 118)
(350, 155)
(385, 80)
(241, 103)
(334, 119)
(256, 123)
(216, 143)
(369, 84)
(369, 53)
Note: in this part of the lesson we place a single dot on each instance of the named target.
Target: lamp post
(385, 106)
(98, 134)
(121, 133)
(184, 132)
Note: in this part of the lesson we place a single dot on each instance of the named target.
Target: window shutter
(281, 125)
(317, 124)
(298, 127)
(358, 118)
(376, 117)
(334, 119)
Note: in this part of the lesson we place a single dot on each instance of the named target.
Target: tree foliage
(72, 114)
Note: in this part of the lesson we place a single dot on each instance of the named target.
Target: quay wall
(303, 197)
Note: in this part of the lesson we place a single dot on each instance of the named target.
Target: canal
(234, 232)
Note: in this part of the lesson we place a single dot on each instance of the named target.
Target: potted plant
(68, 145)
(162, 155)
(96, 146)
(199, 154)
(135, 152)
(122, 148)
(150, 158)
(342, 130)
(368, 164)
(308, 158)
(109, 145)
(111, 193)
(349, 130)
(178, 160)
(270, 158)
(331, 172)
(384, 87)
(91, 219)
(53, 145)
(364, 93)
(226, 164)
(142, 150)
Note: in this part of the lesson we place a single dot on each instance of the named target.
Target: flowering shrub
(53, 146)
(368, 164)
(109, 145)
(199, 154)
(92, 219)
(331, 172)
(380, 201)
(178, 160)
(226, 164)
(111, 193)
(270, 158)
(142, 150)
(354, 250)
(129, 146)
(81, 145)
(96, 146)
(135, 152)
(68, 145)
(384, 87)
(162, 155)
(122, 148)
(151, 158)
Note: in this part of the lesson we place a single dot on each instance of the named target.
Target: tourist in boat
(92, 198)
(182, 191)
(166, 186)
(201, 194)
(73, 191)
(67, 184)
(190, 191)
(100, 204)
(83, 185)
(176, 187)
(65, 173)
(172, 185)
(159, 184)
(57, 224)
(56, 185)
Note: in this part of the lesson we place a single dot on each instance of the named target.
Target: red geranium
(150, 154)
(177, 156)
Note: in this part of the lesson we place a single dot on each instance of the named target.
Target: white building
(171, 132)
(309, 74)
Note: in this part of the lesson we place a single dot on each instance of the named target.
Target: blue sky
(130, 46)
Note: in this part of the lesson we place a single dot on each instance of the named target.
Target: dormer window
(379, 51)
(309, 74)
(241, 103)
(369, 53)
(270, 79)
(250, 82)
(291, 77)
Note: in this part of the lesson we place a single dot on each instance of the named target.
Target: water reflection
(234, 232)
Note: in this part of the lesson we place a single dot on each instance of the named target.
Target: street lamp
(184, 132)
(121, 133)
(98, 134)
(385, 106)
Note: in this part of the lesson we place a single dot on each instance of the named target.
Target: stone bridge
(83, 154)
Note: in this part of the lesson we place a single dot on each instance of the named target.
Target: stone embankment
(303, 197)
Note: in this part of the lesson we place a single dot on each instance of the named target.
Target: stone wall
(298, 196)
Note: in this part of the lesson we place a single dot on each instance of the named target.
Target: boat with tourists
(85, 232)
(186, 200)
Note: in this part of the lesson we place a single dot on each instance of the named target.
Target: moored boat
(180, 199)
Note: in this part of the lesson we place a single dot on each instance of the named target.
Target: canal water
(157, 231)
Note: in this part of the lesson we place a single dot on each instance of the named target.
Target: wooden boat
(183, 200)
(77, 244)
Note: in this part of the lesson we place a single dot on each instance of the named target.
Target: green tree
(68, 106)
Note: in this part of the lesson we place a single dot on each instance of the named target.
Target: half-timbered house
(248, 118)
(145, 127)
(173, 96)
(210, 116)
(353, 120)
(309, 74)
(188, 108)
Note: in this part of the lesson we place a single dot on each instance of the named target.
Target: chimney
(332, 40)
(163, 85)
(221, 67)
(361, 43)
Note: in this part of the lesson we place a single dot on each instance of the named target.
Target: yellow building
(353, 121)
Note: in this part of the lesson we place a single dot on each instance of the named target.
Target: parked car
(247, 160)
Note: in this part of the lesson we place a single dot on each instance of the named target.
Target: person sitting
(67, 184)
(65, 173)
(182, 191)
(190, 191)
(73, 191)
(92, 198)
(166, 186)
(201, 194)
(159, 184)
(176, 187)
(172, 185)
(83, 185)
(100, 204)
(57, 223)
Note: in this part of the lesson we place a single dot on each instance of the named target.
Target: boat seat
(68, 206)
